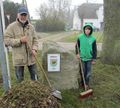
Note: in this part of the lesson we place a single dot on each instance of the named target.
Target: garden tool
(87, 92)
(55, 92)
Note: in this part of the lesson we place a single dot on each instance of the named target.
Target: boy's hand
(93, 62)
(78, 56)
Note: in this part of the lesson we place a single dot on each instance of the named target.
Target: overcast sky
(35, 4)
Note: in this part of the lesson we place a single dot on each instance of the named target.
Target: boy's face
(87, 31)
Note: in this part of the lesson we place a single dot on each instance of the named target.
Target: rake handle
(41, 67)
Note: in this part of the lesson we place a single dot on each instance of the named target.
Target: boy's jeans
(19, 71)
(87, 71)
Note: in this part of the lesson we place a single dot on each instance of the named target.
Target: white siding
(76, 21)
(95, 22)
(100, 14)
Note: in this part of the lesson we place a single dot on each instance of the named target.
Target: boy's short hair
(88, 27)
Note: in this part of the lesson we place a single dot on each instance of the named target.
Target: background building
(88, 13)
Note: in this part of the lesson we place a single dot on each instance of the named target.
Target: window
(88, 23)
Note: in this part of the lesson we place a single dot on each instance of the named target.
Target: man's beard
(23, 21)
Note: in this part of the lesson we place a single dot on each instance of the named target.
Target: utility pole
(3, 52)
(87, 1)
(24, 2)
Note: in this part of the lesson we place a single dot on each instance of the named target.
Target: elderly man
(20, 35)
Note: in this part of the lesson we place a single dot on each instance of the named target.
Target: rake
(55, 92)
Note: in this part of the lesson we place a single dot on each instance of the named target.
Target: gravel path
(55, 38)
(58, 37)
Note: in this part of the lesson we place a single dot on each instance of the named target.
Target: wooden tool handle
(41, 67)
(81, 66)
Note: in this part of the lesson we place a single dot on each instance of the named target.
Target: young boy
(86, 45)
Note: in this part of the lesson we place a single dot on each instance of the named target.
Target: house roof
(88, 10)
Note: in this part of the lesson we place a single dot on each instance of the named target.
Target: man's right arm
(9, 37)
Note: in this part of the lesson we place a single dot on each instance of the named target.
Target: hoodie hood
(88, 25)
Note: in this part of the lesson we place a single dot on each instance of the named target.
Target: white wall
(100, 14)
(76, 21)
(95, 22)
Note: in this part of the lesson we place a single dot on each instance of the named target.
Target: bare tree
(55, 11)
(55, 8)
(42, 11)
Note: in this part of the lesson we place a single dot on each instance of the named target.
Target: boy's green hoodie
(86, 44)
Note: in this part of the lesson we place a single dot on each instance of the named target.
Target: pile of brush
(29, 94)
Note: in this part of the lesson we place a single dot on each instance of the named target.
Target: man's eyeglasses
(23, 14)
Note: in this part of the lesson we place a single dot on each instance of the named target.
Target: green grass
(73, 38)
(105, 83)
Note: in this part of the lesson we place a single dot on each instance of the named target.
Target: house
(88, 13)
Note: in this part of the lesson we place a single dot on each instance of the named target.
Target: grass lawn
(105, 83)
(73, 38)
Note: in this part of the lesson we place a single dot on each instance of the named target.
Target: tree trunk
(111, 42)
